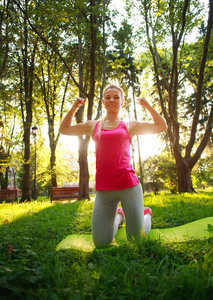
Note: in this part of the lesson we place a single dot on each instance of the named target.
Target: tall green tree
(4, 34)
(51, 95)
(10, 136)
(25, 48)
(170, 22)
(9, 139)
(82, 23)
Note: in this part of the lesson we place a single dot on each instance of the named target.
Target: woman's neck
(111, 121)
(112, 117)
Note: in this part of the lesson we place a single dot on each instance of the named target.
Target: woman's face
(112, 99)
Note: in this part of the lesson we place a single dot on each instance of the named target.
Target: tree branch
(51, 46)
(204, 140)
(173, 76)
(200, 81)
(7, 41)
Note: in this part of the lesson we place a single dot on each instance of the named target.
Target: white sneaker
(147, 210)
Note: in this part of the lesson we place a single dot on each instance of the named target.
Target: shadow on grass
(31, 268)
(27, 247)
(51, 223)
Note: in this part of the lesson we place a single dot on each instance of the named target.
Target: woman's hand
(66, 126)
(143, 102)
(140, 128)
(79, 102)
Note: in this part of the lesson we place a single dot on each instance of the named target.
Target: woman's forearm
(67, 121)
(157, 118)
(79, 129)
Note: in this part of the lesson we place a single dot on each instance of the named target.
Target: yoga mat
(193, 230)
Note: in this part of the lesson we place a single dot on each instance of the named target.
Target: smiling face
(113, 99)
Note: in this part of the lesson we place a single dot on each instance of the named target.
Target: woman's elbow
(162, 127)
(165, 126)
(62, 130)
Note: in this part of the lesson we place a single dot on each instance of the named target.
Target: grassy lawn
(31, 268)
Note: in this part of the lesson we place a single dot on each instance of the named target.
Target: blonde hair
(101, 124)
(114, 86)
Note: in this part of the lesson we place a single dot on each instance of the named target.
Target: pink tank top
(113, 168)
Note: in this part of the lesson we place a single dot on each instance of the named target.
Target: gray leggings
(105, 220)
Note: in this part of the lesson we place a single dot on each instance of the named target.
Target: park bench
(61, 193)
(8, 195)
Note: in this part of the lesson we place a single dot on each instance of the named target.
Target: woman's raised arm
(140, 128)
(66, 126)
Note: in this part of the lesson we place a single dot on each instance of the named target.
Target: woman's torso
(113, 168)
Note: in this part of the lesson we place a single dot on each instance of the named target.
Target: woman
(116, 180)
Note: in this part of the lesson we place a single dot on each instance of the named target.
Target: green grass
(30, 268)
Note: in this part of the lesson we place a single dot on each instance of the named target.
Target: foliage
(67, 168)
(9, 135)
(161, 172)
(75, 47)
(47, 52)
(30, 268)
(180, 85)
(64, 168)
(203, 172)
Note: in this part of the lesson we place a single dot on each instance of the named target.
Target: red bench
(61, 193)
(8, 195)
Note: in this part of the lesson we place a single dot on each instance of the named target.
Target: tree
(4, 34)
(25, 51)
(89, 81)
(8, 142)
(64, 165)
(173, 20)
(161, 172)
(203, 172)
(53, 84)
(81, 19)
(10, 137)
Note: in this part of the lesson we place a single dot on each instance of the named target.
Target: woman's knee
(101, 243)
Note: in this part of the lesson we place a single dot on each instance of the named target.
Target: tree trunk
(4, 18)
(7, 177)
(83, 165)
(52, 166)
(26, 176)
(3, 175)
(141, 178)
(53, 144)
(138, 139)
(4, 181)
(27, 102)
(1, 180)
(184, 164)
(83, 142)
(184, 178)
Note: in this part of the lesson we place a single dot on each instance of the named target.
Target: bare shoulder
(131, 125)
(91, 126)
(79, 128)
(90, 123)
(142, 128)
(136, 127)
